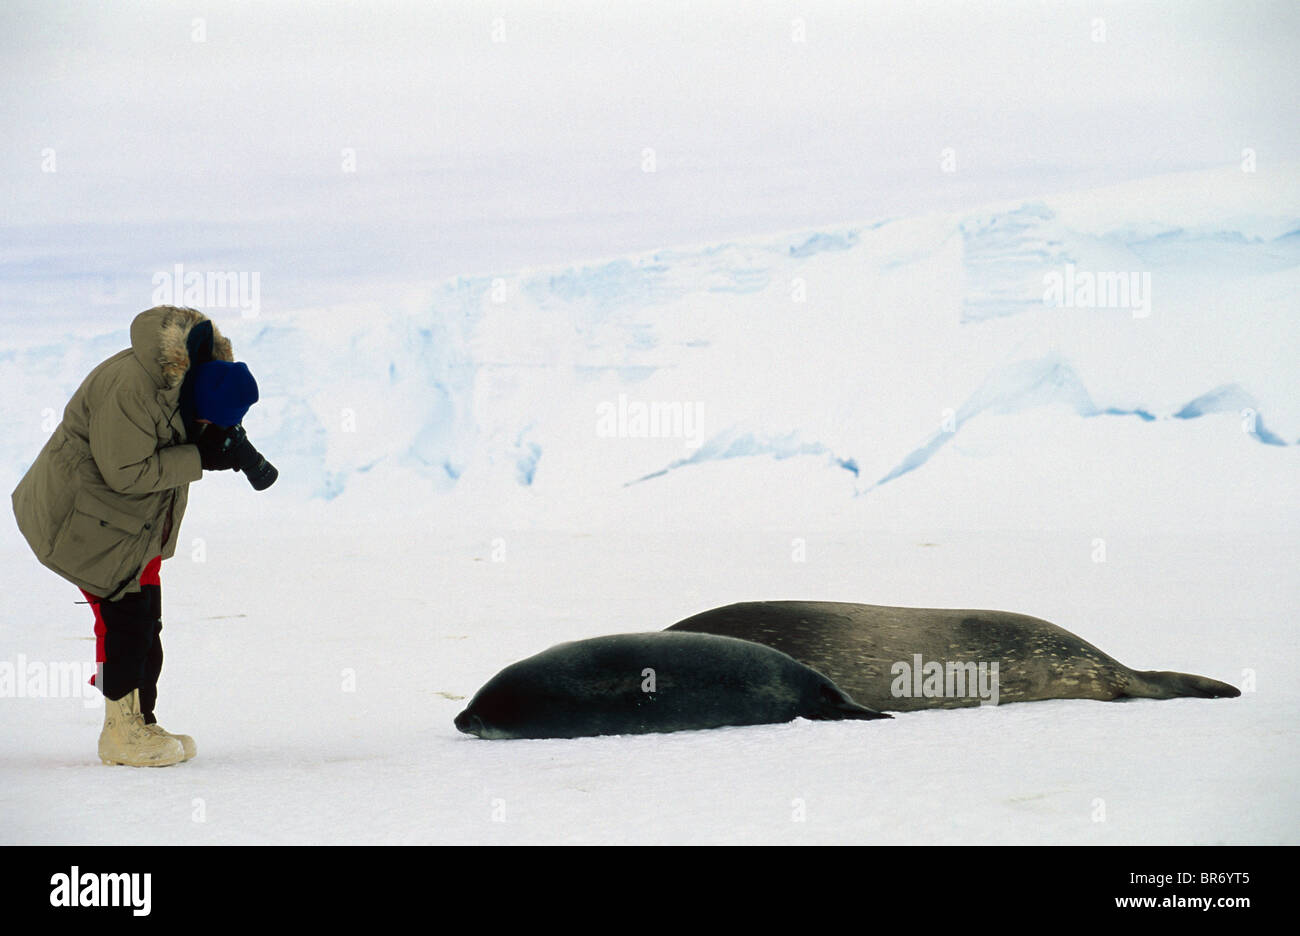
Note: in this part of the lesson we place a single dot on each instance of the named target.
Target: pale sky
(474, 155)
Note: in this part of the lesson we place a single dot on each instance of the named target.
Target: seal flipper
(1159, 684)
(835, 705)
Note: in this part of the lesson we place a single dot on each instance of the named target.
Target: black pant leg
(153, 661)
(131, 626)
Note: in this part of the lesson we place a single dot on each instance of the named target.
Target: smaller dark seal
(657, 682)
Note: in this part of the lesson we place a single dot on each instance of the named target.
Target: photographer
(102, 504)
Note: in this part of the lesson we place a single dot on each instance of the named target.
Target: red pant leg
(93, 601)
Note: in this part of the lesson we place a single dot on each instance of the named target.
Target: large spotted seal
(639, 683)
(903, 659)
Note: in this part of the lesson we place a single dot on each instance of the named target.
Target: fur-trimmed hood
(160, 340)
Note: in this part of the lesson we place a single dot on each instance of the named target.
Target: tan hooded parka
(108, 490)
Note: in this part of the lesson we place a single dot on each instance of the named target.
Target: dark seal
(657, 682)
(904, 659)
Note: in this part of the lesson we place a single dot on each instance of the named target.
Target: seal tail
(1158, 684)
(835, 705)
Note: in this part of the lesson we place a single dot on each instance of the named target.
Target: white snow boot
(187, 743)
(126, 739)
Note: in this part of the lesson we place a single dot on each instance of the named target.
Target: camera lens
(261, 474)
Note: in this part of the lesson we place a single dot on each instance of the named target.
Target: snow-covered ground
(266, 638)
(885, 412)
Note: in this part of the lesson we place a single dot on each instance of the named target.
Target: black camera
(261, 474)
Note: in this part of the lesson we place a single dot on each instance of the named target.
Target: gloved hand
(215, 452)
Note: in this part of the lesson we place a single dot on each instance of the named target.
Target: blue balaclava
(223, 392)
